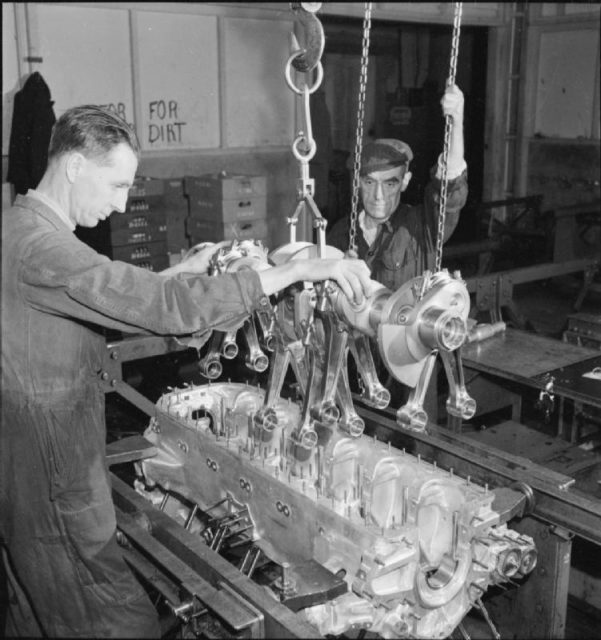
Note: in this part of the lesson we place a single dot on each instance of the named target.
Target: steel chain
(359, 131)
(447, 135)
(304, 146)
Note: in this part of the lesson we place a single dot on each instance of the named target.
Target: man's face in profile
(102, 185)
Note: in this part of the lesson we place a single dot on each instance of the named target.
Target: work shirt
(56, 288)
(404, 246)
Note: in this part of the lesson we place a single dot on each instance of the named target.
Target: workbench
(496, 366)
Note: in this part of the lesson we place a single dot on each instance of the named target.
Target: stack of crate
(584, 330)
(226, 207)
(176, 208)
(138, 235)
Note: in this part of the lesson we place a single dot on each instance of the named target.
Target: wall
(234, 113)
(238, 82)
(202, 84)
(560, 117)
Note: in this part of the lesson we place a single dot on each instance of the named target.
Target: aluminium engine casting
(364, 535)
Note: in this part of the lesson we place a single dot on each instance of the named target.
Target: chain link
(359, 131)
(447, 136)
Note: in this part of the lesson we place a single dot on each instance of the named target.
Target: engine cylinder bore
(442, 329)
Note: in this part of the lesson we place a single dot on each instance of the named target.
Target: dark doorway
(407, 71)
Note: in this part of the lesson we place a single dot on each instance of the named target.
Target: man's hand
(197, 260)
(351, 275)
(452, 103)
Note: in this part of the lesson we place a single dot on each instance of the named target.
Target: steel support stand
(538, 607)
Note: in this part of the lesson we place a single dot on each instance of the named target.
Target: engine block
(365, 535)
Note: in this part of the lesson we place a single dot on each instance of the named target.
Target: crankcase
(416, 545)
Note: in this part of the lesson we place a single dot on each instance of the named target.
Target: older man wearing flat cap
(397, 240)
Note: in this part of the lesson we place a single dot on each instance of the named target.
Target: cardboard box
(223, 186)
(204, 231)
(225, 211)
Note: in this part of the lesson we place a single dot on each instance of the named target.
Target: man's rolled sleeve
(457, 191)
(454, 170)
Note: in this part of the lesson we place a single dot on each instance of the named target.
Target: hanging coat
(33, 119)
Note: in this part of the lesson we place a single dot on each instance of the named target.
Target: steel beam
(531, 274)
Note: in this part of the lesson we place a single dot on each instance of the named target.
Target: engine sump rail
(176, 561)
(553, 502)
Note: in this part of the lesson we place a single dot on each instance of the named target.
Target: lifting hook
(310, 55)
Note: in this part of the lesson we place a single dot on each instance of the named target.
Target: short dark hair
(91, 130)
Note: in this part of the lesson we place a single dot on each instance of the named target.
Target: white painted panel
(481, 10)
(566, 83)
(259, 106)
(177, 60)
(426, 8)
(438, 11)
(549, 9)
(10, 70)
(86, 56)
(581, 7)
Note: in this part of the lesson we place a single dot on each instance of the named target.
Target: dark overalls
(65, 571)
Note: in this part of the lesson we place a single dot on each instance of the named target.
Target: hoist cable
(359, 130)
(447, 136)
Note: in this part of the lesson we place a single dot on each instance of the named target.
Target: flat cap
(385, 153)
